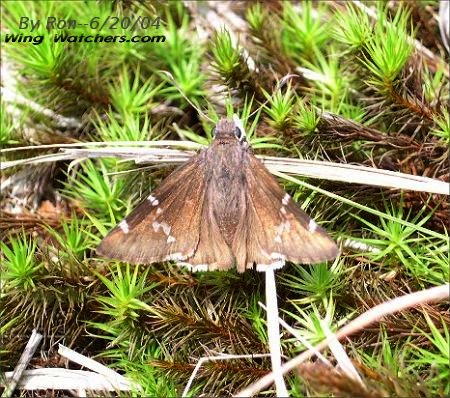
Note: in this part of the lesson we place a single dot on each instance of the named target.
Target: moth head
(228, 130)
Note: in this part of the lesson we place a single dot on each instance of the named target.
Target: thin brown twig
(25, 358)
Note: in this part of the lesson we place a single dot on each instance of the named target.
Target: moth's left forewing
(276, 229)
(154, 231)
(176, 222)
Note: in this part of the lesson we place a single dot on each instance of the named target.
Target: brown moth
(220, 209)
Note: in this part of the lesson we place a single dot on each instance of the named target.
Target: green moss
(308, 80)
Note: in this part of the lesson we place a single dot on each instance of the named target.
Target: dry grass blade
(100, 378)
(112, 377)
(273, 333)
(356, 174)
(307, 168)
(67, 379)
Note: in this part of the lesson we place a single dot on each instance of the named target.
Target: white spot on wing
(285, 200)
(158, 210)
(287, 225)
(165, 227)
(283, 210)
(284, 226)
(153, 200)
(279, 229)
(312, 226)
(171, 239)
(175, 257)
(124, 227)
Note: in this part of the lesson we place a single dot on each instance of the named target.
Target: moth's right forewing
(275, 228)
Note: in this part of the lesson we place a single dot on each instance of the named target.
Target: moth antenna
(280, 84)
(169, 75)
